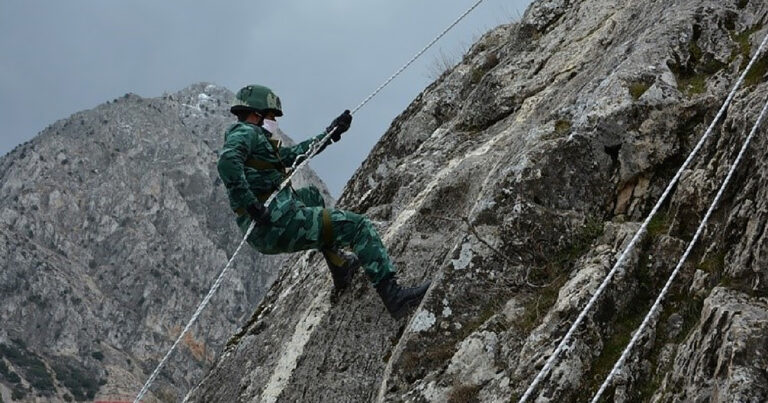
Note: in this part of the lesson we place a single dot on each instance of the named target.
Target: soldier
(252, 164)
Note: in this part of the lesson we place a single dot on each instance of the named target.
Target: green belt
(327, 229)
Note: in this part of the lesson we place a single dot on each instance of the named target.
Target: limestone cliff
(517, 177)
(113, 225)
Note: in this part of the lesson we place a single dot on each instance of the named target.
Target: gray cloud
(321, 57)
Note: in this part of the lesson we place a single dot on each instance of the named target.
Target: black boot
(343, 266)
(398, 300)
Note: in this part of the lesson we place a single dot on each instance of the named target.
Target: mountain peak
(113, 224)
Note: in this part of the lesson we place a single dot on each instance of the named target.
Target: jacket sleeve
(232, 158)
(289, 154)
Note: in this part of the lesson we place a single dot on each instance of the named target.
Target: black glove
(341, 124)
(259, 213)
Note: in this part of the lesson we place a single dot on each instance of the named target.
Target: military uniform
(252, 165)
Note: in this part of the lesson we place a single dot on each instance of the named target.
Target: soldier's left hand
(259, 213)
(341, 124)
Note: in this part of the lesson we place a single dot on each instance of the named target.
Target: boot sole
(409, 306)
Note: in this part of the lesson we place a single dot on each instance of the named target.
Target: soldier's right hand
(259, 213)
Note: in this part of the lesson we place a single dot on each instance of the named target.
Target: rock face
(113, 225)
(724, 358)
(515, 180)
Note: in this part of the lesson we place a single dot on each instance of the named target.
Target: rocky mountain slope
(113, 225)
(516, 179)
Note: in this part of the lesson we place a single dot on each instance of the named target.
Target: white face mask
(270, 126)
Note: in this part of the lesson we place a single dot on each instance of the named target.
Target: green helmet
(257, 98)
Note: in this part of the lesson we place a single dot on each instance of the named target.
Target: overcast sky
(59, 57)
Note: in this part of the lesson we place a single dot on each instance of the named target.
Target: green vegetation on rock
(692, 75)
(659, 225)
(538, 305)
(562, 126)
(744, 49)
(713, 264)
(13, 377)
(18, 393)
(581, 242)
(464, 394)
(637, 89)
(758, 71)
(33, 368)
(553, 275)
(490, 61)
(82, 383)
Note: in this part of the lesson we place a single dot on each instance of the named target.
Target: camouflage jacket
(247, 149)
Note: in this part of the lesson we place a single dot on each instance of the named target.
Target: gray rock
(724, 358)
(113, 226)
(474, 363)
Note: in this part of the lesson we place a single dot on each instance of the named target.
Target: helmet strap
(256, 118)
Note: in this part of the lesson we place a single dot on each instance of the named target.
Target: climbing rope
(657, 304)
(298, 163)
(560, 347)
(413, 59)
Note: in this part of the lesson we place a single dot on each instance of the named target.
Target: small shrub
(562, 126)
(33, 368)
(477, 75)
(694, 85)
(692, 76)
(464, 394)
(10, 352)
(712, 264)
(581, 242)
(758, 71)
(81, 383)
(7, 374)
(97, 355)
(659, 225)
(13, 377)
(3, 368)
(637, 89)
(613, 346)
(743, 45)
(18, 393)
(441, 64)
(490, 61)
(535, 309)
(39, 377)
(20, 343)
(414, 363)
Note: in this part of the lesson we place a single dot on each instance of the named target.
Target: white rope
(665, 290)
(560, 347)
(413, 59)
(298, 163)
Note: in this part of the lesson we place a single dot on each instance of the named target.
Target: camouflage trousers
(297, 224)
